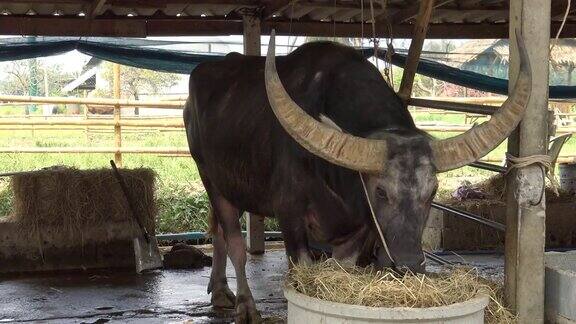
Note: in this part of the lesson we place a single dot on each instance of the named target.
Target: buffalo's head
(398, 168)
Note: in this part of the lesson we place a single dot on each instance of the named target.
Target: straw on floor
(330, 281)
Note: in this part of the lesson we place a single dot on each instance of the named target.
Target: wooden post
(418, 37)
(525, 218)
(117, 116)
(87, 129)
(254, 223)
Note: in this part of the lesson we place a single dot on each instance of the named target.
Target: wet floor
(168, 296)
(159, 297)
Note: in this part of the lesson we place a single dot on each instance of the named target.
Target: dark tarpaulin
(143, 53)
(133, 52)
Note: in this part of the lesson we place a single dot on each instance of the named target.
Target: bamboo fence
(117, 124)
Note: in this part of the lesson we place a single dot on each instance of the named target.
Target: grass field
(183, 204)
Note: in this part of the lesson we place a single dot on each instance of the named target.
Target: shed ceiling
(341, 18)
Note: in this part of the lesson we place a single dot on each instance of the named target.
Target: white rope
(543, 161)
(382, 239)
(561, 25)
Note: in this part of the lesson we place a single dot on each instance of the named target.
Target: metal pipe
(203, 235)
(455, 106)
(470, 216)
(437, 259)
(488, 166)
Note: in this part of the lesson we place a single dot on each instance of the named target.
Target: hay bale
(366, 287)
(70, 200)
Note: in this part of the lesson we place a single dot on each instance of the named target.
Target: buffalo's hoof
(246, 313)
(223, 298)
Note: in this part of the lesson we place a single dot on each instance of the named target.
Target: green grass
(183, 205)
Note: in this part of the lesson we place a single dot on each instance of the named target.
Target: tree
(135, 81)
(23, 75)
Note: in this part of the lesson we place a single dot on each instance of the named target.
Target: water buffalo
(257, 139)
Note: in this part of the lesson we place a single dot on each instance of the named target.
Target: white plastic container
(303, 309)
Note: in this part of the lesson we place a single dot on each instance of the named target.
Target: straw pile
(494, 189)
(69, 200)
(330, 281)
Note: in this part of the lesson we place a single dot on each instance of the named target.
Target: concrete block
(435, 219)
(432, 239)
(560, 287)
(464, 234)
(108, 246)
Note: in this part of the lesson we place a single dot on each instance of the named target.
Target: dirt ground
(168, 296)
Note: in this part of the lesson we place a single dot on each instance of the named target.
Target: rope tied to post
(545, 162)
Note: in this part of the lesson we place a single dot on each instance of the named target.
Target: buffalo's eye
(381, 193)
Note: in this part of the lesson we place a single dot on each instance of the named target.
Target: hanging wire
(334, 24)
(566, 13)
(288, 47)
(361, 22)
(374, 40)
(390, 48)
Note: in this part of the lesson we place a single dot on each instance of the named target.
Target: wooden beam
(161, 4)
(450, 31)
(44, 1)
(96, 8)
(420, 31)
(272, 7)
(60, 26)
(408, 13)
(526, 201)
(140, 27)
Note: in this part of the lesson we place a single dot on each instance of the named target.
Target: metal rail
(436, 258)
(202, 235)
(488, 166)
(467, 215)
(455, 106)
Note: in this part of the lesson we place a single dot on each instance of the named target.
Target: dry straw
(330, 281)
(69, 200)
(494, 189)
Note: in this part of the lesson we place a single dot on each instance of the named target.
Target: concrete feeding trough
(305, 309)
(560, 278)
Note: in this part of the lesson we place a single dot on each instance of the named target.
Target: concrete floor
(168, 296)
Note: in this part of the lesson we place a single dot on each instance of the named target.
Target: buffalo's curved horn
(357, 153)
(458, 151)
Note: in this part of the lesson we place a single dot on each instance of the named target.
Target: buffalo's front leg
(228, 218)
(348, 250)
(222, 296)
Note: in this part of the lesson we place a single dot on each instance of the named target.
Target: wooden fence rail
(91, 122)
(117, 123)
(176, 104)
